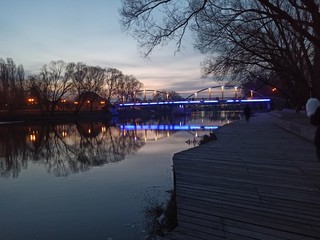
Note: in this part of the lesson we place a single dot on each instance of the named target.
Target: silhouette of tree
(166, 95)
(50, 85)
(128, 87)
(240, 38)
(88, 82)
(111, 84)
(12, 84)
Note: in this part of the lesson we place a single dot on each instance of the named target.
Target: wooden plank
(255, 182)
(272, 221)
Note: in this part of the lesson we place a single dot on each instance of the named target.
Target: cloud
(91, 33)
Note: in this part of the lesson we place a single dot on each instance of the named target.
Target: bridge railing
(194, 101)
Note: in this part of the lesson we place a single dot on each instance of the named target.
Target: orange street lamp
(31, 100)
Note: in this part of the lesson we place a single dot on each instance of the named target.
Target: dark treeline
(263, 44)
(64, 86)
(61, 86)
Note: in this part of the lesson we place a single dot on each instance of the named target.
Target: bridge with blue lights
(192, 102)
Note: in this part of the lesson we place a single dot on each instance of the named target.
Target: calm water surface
(90, 180)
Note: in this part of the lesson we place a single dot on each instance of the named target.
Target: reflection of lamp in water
(222, 92)
(156, 136)
(32, 137)
(168, 134)
(196, 135)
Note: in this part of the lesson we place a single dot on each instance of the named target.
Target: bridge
(207, 96)
(217, 97)
(221, 92)
(191, 102)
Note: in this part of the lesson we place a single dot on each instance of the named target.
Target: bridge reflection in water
(167, 127)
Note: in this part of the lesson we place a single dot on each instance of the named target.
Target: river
(91, 180)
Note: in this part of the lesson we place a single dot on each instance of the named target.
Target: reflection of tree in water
(12, 150)
(63, 149)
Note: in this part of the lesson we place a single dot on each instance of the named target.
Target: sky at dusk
(36, 32)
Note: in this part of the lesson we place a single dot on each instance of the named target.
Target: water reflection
(63, 148)
(72, 148)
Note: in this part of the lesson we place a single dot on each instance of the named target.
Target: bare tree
(240, 38)
(166, 95)
(93, 85)
(257, 46)
(50, 85)
(88, 82)
(111, 83)
(12, 81)
(128, 87)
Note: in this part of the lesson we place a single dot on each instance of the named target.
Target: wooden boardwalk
(257, 181)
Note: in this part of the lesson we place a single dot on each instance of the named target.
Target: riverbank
(63, 116)
(258, 180)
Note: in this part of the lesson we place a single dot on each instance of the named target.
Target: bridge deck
(257, 181)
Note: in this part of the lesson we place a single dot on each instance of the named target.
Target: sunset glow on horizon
(35, 33)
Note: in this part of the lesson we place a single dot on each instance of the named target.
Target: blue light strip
(257, 100)
(210, 101)
(194, 102)
(167, 127)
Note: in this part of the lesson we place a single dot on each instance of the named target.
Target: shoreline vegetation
(161, 217)
(71, 116)
(66, 116)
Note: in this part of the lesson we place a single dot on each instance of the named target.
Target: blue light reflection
(167, 127)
